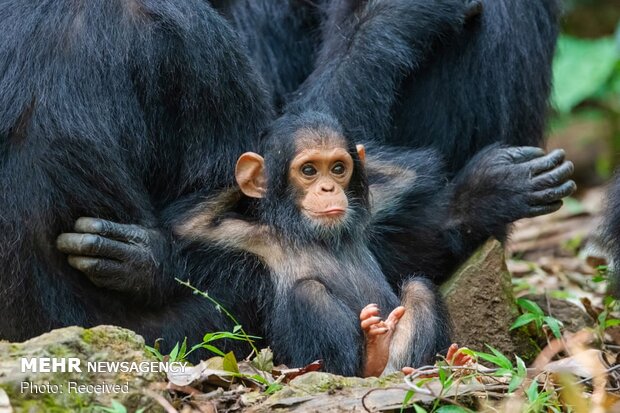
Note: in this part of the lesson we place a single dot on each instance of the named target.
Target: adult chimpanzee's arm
(368, 47)
(423, 224)
(201, 104)
(281, 38)
(610, 228)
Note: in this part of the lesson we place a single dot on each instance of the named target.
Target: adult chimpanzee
(611, 235)
(113, 109)
(412, 207)
(129, 111)
(490, 84)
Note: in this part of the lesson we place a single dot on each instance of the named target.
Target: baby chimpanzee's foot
(378, 336)
(454, 358)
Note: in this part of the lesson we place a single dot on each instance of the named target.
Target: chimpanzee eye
(308, 170)
(338, 169)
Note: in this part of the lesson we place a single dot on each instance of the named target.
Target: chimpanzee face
(319, 175)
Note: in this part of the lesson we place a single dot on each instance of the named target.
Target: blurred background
(586, 95)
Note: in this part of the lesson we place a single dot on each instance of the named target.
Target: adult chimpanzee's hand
(503, 184)
(119, 257)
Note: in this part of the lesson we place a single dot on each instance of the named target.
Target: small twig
(363, 400)
(161, 400)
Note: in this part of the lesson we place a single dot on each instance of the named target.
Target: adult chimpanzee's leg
(113, 110)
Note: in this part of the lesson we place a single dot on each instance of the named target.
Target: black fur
(135, 112)
(114, 109)
(485, 83)
(611, 236)
(321, 278)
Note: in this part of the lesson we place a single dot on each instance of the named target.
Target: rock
(324, 392)
(59, 391)
(482, 305)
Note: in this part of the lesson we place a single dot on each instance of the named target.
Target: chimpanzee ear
(361, 152)
(250, 175)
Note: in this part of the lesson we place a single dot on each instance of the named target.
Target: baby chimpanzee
(310, 223)
(311, 234)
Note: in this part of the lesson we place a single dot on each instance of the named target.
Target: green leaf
(517, 377)
(174, 353)
(443, 376)
(530, 306)
(213, 349)
(406, 400)
(490, 358)
(230, 363)
(236, 329)
(504, 362)
(532, 391)
(452, 409)
(580, 69)
(273, 387)
(554, 324)
(612, 322)
(524, 319)
(418, 409)
(259, 379)
(154, 352)
(183, 350)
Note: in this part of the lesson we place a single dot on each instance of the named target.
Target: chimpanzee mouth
(334, 214)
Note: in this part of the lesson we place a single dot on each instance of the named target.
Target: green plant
(604, 319)
(237, 329)
(532, 313)
(584, 69)
(541, 401)
(601, 274)
(115, 408)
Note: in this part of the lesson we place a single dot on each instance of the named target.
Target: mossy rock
(61, 391)
(482, 305)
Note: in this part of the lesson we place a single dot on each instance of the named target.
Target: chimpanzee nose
(327, 187)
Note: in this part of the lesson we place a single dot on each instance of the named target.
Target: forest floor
(553, 257)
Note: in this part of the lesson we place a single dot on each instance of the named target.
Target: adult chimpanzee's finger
(538, 210)
(102, 272)
(553, 177)
(94, 246)
(549, 161)
(550, 195)
(121, 232)
(520, 154)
